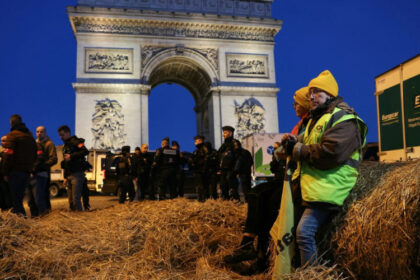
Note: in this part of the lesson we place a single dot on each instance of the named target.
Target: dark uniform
(36, 191)
(227, 158)
(164, 167)
(198, 163)
(243, 167)
(180, 175)
(5, 197)
(212, 166)
(19, 156)
(74, 170)
(278, 166)
(125, 170)
(143, 163)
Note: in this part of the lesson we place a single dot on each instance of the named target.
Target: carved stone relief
(108, 125)
(247, 65)
(108, 60)
(210, 54)
(169, 30)
(250, 117)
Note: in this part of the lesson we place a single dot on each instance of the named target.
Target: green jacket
(330, 154)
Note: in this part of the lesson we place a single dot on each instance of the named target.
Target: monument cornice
(175, 27)
(110, 88)
(245, 91)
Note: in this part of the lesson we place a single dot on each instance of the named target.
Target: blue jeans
(74, 190)
(18, 181)
(309, 223)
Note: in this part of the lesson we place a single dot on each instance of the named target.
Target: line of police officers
(165, 170)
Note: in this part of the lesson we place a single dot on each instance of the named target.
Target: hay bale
(378, 236)
(147, 240)
(319, 271)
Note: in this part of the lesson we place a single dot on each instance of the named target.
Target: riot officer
(165, 164)
(243, 166)
(212, 166)
(179, 176)
(228, 157)
(198, 165)
(125, 169)
(74, 164)
(143, 162)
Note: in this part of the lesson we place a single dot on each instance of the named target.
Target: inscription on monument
(247, 65)
(108, 60)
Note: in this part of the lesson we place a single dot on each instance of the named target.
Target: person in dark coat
(5, 196)
(180, 175)
(227, 158)
(198, 164)
(51, 154)
(164, 167)
(212, 165)
(277, 165)
(125, 170)
(74, 165)
(19, 156)
(243, 167)
(143, 162)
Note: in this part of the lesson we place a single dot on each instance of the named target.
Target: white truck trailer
(261, 147)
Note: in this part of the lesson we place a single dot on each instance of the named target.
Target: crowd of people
(324, 151)
(161, 176)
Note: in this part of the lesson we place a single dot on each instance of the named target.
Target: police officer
(212, 166)
(198, 165)
(143, 162)
(74, 164)
(243, 167)
(165, 165)
(179, 176)
(228, 157)
(125, 170)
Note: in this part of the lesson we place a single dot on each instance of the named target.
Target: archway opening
(171, 114)
(178, 103)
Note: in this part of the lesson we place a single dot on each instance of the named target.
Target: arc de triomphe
(222, 51)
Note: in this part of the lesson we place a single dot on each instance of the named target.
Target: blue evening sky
(356, 40)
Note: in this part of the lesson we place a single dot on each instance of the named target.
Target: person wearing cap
(264, 203)
(212, 166)
(329, 156)
(227, 157)
(165, 164)
(74, 165)
(125, 172)
(178, 185)
(198, 163)
(143, 161)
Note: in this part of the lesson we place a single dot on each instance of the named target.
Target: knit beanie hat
(326, 82)
(301, 97)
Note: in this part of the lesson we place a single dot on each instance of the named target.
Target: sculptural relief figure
(250, 117)
(108, 125)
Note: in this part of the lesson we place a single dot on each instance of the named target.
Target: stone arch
(190, 69)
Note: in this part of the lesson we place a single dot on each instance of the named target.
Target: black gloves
(288, 145)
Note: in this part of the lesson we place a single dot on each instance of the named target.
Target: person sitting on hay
(263, 206)
(330, 154)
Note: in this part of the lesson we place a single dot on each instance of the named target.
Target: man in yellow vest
(330, 154)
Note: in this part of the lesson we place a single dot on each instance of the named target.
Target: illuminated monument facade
(222, 51)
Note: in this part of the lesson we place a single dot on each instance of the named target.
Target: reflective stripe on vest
(332, 185)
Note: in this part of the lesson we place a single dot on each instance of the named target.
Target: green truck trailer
(398, 109)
